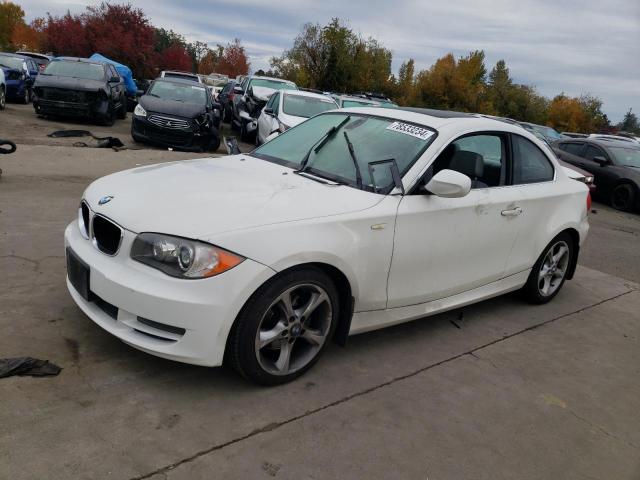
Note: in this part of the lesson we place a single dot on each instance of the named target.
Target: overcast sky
(571, 46)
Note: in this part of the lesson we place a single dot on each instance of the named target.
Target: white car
(351, 221)
(288, 108)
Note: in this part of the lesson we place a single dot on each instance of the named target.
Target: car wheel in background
(122, 111)
(214, 144)
(550, 271)
(110, 117)
(623, 197)
(3, 99)
(246, 136)
(257, 139)
(284, 327)
(26, 98)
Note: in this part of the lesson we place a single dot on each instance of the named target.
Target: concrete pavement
(501, 389)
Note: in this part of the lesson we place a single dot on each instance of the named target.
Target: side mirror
(238, 90)
(449, 184)
(268, 111)
(600, 160)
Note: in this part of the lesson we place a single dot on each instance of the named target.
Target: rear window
(572, 148)
(530, 165)
(307, 107)
(87, 71)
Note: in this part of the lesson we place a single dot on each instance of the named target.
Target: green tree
(11, 17)
(500, 88)
(630, 123)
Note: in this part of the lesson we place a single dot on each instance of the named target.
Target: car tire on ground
(623, 197)
(26, 98)
(550, 270)
(246, 136)
(3, 99)
(110, 117)
(284, 327)
(122, 111)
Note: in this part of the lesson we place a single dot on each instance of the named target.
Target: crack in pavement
(276, 425)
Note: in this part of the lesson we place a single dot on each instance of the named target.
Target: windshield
(88, 71)
(11, 62)
(357, 103)
(274, 84)
(373, 139)
(307, 107)
(548, 132)
(178, 92)
(629, 157)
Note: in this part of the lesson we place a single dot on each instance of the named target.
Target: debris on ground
(24, 366)
(101, 142)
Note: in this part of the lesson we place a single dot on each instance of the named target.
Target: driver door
(446, 246)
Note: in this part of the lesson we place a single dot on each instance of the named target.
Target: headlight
(139, 111)
(181, 257)
(588, 179)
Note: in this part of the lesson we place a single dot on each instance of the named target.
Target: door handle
(514, 212)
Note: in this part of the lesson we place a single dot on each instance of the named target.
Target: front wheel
(3, 99)
(284, 327)
(550, 271)
(26, 98)
(623, 197)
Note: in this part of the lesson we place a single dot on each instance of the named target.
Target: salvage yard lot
(497, 390)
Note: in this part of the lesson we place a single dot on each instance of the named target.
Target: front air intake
(106, 235)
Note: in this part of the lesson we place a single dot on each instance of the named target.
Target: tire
(3, 99)
(257, 139)
(214, 144)
(623, 197)
(26, 97)
(226, 118)
(246, 136)
(550, 270)
(291, 342)
(122, 111)
(110, 118)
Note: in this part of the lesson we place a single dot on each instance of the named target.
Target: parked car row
(20, 73)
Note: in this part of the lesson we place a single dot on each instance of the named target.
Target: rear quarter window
(530, 164)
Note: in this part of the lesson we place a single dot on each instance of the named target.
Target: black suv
(81, 88)
(615, 164)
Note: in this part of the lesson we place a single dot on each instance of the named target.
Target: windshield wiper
(352, 153)
(152, 95)
(315, 148)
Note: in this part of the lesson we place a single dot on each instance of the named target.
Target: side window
(572, 148)
(276, 103)
(270, 103)
(593, 152)
(481, 157)
(530, 165)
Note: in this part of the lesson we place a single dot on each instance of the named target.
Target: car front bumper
(182, 139)
(183, 320)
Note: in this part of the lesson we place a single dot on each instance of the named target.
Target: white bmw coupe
(353, 220)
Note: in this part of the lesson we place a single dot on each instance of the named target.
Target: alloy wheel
(553, 268)
(3, 100)
(293, 329)
(621, 197)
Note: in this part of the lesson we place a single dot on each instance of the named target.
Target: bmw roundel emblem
(105, 199)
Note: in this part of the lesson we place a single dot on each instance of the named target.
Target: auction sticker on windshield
(408, 129)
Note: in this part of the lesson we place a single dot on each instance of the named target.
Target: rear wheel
(623, 197)
(284, 327)
(3, 99)
(550, 271)
(26, 98)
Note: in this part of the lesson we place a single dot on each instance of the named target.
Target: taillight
(588, 202)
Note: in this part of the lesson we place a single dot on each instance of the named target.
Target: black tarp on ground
(27, 366)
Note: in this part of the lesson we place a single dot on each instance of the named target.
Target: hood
(201, 198)
(171, 107)
(69, 83)
(262, 93)
(290, 120)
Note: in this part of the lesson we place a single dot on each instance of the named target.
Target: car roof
(179, 81)
(304, 93)
(610, 142)
(34, 55)
(251, 77)
(78, 59)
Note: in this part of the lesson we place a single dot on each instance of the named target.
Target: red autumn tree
(175, 57)
(234, 60)
(65, 36)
